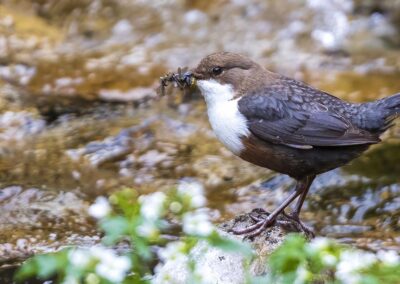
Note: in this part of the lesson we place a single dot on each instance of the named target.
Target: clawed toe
(300, 226)
(307, 230)
(248, 229)
(263, 220)
(260, 225)
(256, 214)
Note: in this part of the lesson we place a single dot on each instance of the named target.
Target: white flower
(70, 280)
(329, 259)
(152, 205)
(147, 229)
(79, 258)
(101, 208)
(172, 252)
(111, 266)
(173, 255)
(350, 278)
(161, 275)
(351, 262)
(302, 275)
(193, 191)
(166, 273)
(197, 223)
(100, 252)
(389, 257)
(321, 247)
(319, 244)
(114, 270)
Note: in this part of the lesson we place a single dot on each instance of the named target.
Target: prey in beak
(184, 79)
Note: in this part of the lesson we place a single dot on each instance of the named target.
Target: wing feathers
(300, 125)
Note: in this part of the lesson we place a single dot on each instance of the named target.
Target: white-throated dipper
(285, 125)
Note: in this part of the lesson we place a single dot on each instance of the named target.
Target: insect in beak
(182, 80)
(189, 79)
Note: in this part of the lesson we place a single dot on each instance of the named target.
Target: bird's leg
(257, 228)
(299, 204)
(295, 215)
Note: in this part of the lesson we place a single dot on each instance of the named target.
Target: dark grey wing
(290, 119)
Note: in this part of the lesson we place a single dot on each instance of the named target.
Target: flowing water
(79, 116)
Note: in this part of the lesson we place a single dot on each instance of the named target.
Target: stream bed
(80, 118)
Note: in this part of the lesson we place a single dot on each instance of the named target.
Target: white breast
(228, 123)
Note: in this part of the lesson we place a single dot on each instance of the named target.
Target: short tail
(378, 116)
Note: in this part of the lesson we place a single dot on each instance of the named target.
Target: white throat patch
(228, 123)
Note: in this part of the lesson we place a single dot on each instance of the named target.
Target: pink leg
(301, 189)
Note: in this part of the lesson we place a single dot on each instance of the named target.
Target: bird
(285, 125)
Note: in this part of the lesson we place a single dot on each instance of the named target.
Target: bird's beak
(189, 78)
(197, 74)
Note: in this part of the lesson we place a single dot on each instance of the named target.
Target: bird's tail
(378, 116)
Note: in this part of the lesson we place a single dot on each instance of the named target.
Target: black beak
(196, 75)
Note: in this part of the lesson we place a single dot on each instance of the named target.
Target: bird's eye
(216, 71)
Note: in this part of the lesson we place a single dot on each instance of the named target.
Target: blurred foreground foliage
(141, 221)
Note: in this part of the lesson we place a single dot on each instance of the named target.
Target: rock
(217, 266)
(17, 126)
(131, 95)
(113, 147)
(36, 220)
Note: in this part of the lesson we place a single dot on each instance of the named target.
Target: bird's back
(374, 117)
(377, 116)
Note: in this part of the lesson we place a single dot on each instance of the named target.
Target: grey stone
(217, 266)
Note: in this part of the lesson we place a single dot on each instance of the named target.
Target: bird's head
(223, 75)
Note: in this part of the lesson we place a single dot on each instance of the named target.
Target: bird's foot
(258, 214)
(263, 220)
(299, 225)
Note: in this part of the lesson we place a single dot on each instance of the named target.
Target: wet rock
(35, 220)
(152, 158)
(15, 126)
(137, 95)
(114, 51)
(215, 171)
(58, 52)
(11, 253)
(336, 179)
(100, 152)
(110, 148)
(222, 267)
(343, 230)
(25, 36)
(122, 28)
(86, 75)
(18, 74)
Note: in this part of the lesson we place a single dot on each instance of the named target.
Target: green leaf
(142, 248)
(289, 256)
(115, 228)
(126, 201)
(27, 270)
(44, 266)
(381, 273)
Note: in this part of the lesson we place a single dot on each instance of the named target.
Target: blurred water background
(79, 116)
